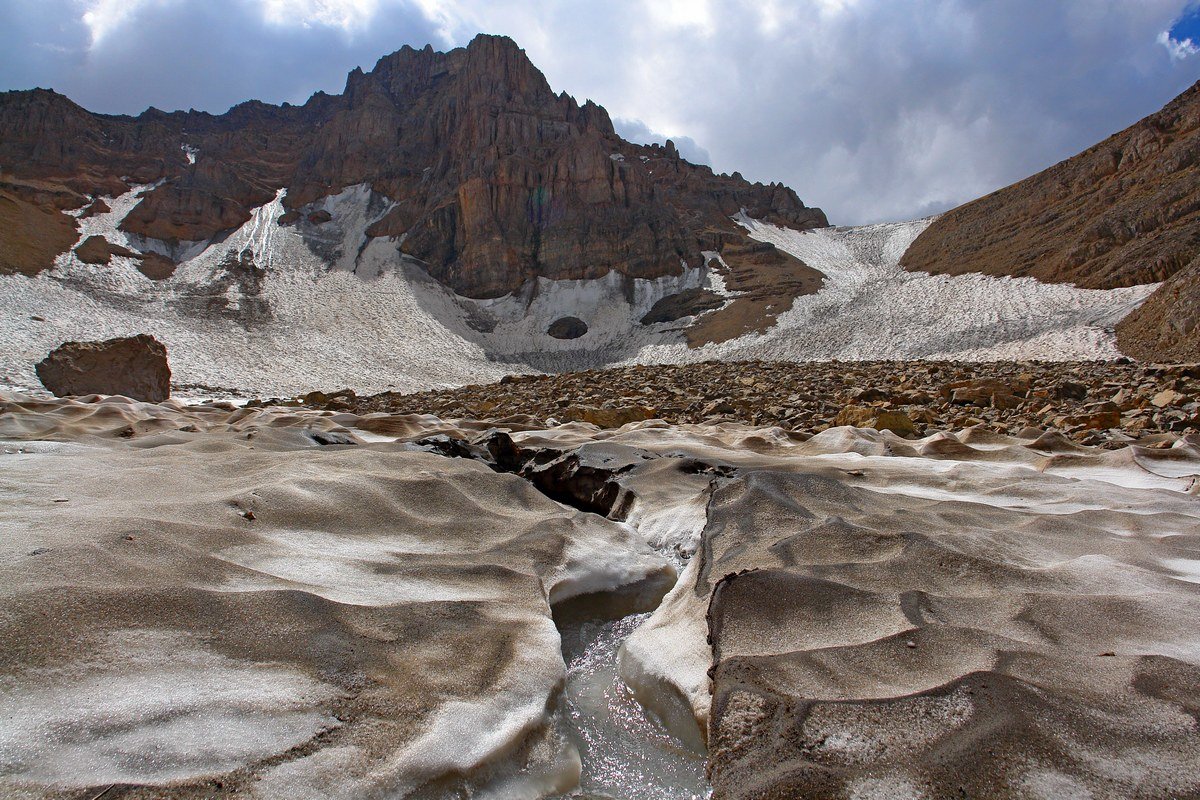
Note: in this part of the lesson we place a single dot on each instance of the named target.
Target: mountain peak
(493, 40)
(489, 178)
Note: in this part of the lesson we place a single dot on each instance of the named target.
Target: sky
(871, 109)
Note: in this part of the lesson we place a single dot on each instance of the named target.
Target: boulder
(1069, 390)
(135, 366)
(608, 417)
(1167, 397)
(896, 422)
(855, 416)
(877, 418)
(985, 392)
(1096, 416)
(717, 407)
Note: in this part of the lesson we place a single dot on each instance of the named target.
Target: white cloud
(1179, 50)
(345, 14)
(678, 15)
(102, 17)
(445, 16)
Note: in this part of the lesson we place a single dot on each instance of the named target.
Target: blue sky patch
(1183, 38)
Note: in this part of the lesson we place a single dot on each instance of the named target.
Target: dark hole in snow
(567, 328)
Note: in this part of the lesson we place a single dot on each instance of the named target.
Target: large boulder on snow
(134, 366)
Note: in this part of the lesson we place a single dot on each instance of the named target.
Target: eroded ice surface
(366, 619)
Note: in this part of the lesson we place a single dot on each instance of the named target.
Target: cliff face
(490, 178)
(1122, 213)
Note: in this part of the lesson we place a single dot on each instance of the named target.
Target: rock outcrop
(98, 250)
(487, 177)
(33, 229)
(135, 366)
(688, 303)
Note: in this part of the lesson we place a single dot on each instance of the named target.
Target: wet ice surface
(626, 753)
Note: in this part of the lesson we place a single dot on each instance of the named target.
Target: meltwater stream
(627, 754)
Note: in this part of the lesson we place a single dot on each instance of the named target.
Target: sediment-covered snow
(232, 601)
(340, 621)
(144, 707)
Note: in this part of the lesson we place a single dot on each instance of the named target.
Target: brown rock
(1167, 326)
(868, 395)
(608, 417)
(984, 392)
(98, 250)
(895, 422)
(1097, 416)
(1167, 397)
(1069, 390)
(135, 367)
(855, 416)
(33, 230)
(156, 267)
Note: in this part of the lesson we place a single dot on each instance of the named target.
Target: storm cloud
(871, 109)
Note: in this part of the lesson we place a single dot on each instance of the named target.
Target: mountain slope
(484, 176)
(1167, 326)
(1122, 213)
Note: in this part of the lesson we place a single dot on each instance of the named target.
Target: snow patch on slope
(315, 328)
(319, 304)
(870, 308)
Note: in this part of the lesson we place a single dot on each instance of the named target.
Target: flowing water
(627, 754)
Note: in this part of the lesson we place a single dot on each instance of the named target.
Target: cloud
(1179, 50)
(346, 14)
(872, 109)
(1180, 39)
(121, 56)
(105, 16)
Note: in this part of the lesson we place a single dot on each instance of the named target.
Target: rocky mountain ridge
(485, 176)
